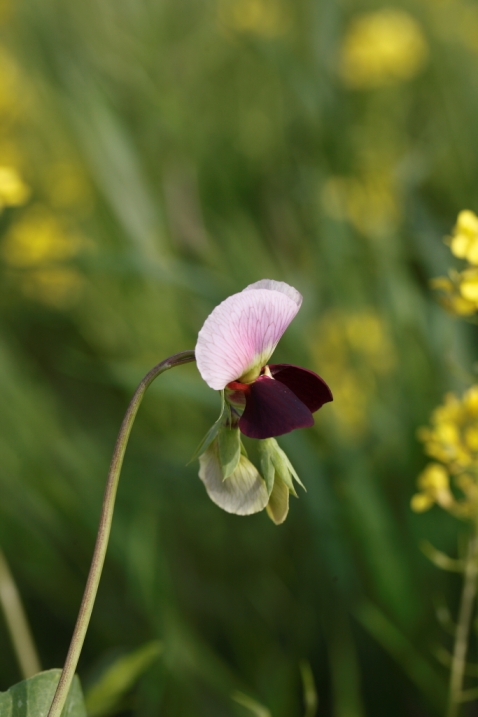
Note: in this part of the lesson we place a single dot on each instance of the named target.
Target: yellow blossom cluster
(37, 245)
(460, 289)
(40, 237)
(464, 241)
(353, 349)
(369, 203)
(381, 48)
(13, 190)
(451, 439)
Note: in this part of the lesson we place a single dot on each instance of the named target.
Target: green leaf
(311, 700)
(212, 433)
(229, 450)
(267, 469)
(253, 706)
(102, 698)
(33, 697)
(393, 641)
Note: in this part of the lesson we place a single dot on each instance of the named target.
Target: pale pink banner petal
(280, 286)
(240, 335)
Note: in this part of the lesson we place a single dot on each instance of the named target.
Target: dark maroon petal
(272, 409)
(307, 385)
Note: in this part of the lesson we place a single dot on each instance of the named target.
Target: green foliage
(33, 697)
(252, 706)
(175, 152)
(311, 698)
(212, 433)
(114, 682)
(396, 644)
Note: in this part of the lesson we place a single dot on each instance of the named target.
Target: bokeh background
(155, 157)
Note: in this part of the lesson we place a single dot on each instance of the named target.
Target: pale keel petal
(243, 493)
(240, 335)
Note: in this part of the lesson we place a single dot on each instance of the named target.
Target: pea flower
(259, 400)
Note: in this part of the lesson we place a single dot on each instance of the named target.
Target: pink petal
(307, 385)
(272, 409)
(281, 286)
(242, 332)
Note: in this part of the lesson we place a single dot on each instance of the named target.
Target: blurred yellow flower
(452, 439)
(37, 246)
(368, 202)
(57, 286)
(460, 289)
(464, 240)
(382, 47)
(420, 502)
(434, 487)
(262, 17)
(352, 349)
(451, 298)
(38, 237)
(39, 243)
(68, 187)
(469, 285)
(13, 191)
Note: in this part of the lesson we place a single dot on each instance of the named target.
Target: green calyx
(276, 469)
(229, 449)
(226, 433)
(279, 475)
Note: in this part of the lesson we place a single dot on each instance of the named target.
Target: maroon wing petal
(307, 385)
(272, 409)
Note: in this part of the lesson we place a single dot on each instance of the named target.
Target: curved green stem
(98, 559)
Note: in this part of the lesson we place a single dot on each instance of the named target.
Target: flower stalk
(104, 529)
(460, 648)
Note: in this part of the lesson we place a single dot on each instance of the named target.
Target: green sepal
(243, 450)
(212, 433)
(293, 471)
(267, 467)
(284, 468)
(283, 473)
(229, 449)
(282, 457)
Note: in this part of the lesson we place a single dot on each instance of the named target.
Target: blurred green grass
(174, 153)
